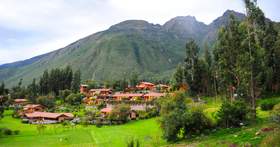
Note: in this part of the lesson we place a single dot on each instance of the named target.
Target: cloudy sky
(33, 27)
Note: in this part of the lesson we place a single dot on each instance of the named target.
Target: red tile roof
(20, 100)
(147, 83)
(28, 106)
(128, 95)
(32, 105)
(106, 110)
(103, 89)
(47, 115)
(154, 94)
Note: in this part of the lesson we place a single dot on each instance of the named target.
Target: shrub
(7, 131)
(272, 140)
(74, 99)
(178, 121)
(120, 113)
(268, 104)
(64, 93)
(233, 114)
(98, 123)
(47, 101)
(276, 113)
(197, 123)
(173, 111)
(16, 132)
(152, 112)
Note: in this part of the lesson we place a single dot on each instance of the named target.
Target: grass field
(147, 131)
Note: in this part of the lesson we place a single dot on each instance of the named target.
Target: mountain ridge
(151, 50)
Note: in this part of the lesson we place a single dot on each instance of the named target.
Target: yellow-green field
(147, 131)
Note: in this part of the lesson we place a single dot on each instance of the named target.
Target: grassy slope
(227, 137)
(108, 55)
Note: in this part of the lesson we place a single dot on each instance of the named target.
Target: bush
(268, 104)
(7, 131)
(178, 121)
(197, 123)
(64, 93)
(173, 110)
(152, 112)
(233, 114)
(74, 99)
(16, 132)
(98, 123)
(276, 113)
(272, 140)
(47, 101)
(120, 113)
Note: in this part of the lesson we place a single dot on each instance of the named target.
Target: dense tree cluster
(3, 89)
(247, 56)
(195, 72)
(245, 63)
(57, 82)
(59, 79)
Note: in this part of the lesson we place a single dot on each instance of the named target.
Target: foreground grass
(245, 136)
(147, 131)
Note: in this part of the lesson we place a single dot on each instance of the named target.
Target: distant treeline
(51, 82)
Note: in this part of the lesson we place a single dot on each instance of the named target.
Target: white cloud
(52, 24)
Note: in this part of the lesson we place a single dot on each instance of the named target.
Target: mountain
(221, 21)
(151, 50)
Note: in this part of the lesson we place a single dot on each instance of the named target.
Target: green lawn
(147, 131)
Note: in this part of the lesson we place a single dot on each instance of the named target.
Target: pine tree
(255, 22)
(33, 90)
(227, 55)
(44, 83)
(194, 69)
(209, 72)
(2, 88)
(76, 81)
(178, 77)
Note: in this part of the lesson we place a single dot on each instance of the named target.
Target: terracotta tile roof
(32, 106)
(128, 95)
(147, 83)
(47, 115)
(154, 94)
(20, 100)
(106, 110)
(102, 89)
(140, 86)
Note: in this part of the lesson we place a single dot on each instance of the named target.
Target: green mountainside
(132, 46)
